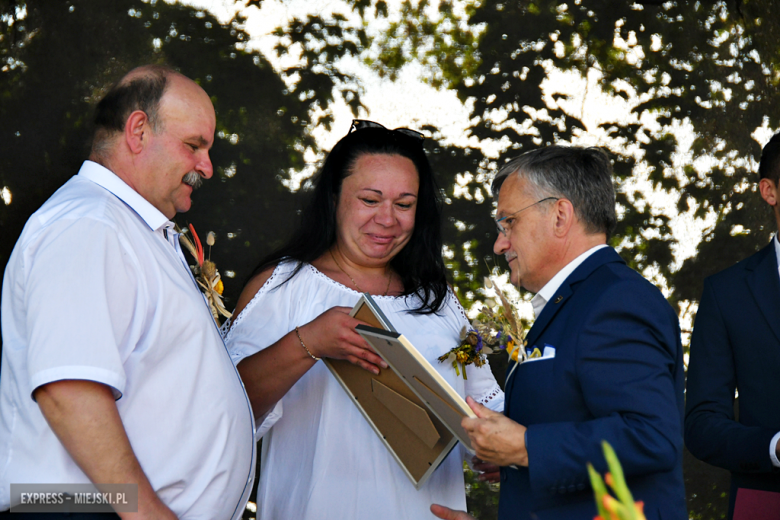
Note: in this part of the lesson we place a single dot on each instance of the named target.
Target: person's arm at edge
(85, 419)
(711, 432)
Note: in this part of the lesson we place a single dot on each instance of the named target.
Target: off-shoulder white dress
(320, 458)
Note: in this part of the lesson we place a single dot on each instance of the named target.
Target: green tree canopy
(711, 65)
(59, 58)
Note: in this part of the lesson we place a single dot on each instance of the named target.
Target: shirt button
(562, 490)
(580, 486)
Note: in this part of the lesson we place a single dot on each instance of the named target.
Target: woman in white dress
(373, 225)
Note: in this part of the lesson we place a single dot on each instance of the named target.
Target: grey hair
(581, 175)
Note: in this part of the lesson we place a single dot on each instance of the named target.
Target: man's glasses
(503, 230)
(360, 124)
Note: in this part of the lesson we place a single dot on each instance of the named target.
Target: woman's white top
(320, 457)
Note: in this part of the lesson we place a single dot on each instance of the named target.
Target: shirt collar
(109, 181)
(545, 293)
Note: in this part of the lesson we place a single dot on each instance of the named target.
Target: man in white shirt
(113, 370)
(611, 358)
(735, 346)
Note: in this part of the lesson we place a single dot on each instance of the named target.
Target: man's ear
(768, 191)
(136, 131)
(564, 217)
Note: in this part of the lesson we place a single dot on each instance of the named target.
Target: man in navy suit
(611, 366)
(736, 346)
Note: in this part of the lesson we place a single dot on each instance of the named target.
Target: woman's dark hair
(419, 264)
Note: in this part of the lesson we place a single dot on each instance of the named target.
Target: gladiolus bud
(211, 238)
(610, 504)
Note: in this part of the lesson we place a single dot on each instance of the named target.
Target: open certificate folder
(415, 412)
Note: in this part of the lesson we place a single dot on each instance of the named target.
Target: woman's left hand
(332, 334)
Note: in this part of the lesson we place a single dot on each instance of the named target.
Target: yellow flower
(220, 287)
(462, 357)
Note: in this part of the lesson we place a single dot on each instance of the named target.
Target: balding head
(154, 131)
(140, 89)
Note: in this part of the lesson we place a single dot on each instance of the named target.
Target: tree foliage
(60, 57)
(708, 69)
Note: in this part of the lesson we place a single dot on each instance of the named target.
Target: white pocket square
(547, 353)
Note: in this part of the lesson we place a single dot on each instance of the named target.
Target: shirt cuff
(772, 452)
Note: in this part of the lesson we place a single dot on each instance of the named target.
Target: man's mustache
(193, 179)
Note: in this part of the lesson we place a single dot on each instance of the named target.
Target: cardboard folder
(416, 435)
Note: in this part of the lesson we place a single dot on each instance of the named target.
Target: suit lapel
(561, 296)
(764, 282)
(567, 288)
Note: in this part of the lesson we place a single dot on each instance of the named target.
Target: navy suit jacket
(736, 344)
(617, 375)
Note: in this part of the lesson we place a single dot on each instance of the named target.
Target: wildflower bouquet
(493, 329)
(206, 273)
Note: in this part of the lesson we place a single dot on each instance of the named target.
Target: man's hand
(488, 472)
(448, 514)
(85, 419)
(495, 437)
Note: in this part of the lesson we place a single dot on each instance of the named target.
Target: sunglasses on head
(360, 124)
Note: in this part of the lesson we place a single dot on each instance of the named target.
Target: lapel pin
(558, 299)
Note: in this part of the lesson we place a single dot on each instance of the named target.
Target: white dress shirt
(541, 298)
(94, 291)
(321, 459)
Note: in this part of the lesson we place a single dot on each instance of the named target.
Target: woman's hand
(449, 514)
(332, 334)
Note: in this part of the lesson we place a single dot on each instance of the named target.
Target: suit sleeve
(629, 368)
(711, 432)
